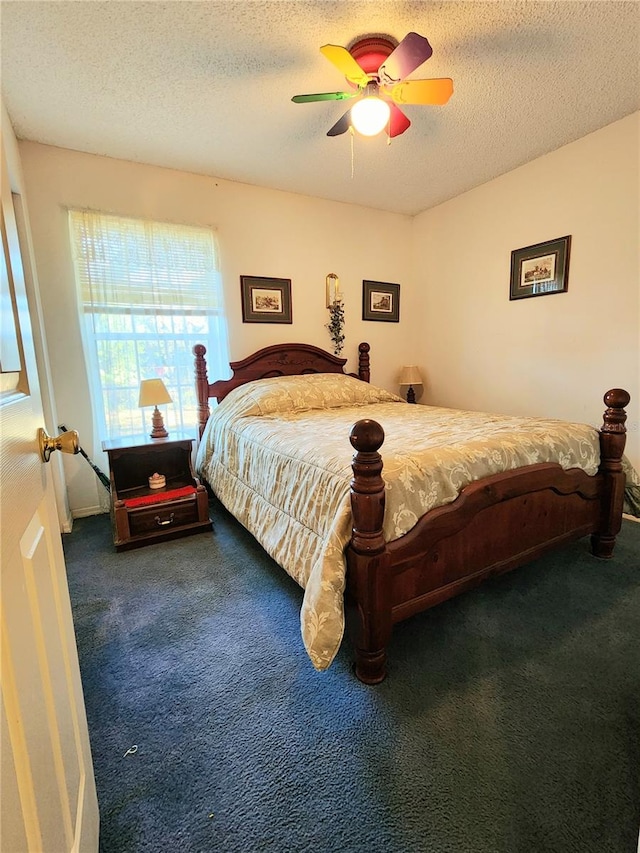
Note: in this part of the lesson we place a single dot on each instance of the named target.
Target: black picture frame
(380, 301)
(540, 269)
(266, 300)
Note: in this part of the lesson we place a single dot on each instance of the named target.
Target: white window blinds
(148, 291)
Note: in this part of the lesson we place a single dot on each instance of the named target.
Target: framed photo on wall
(380, 301)
(540, 269)
(265, 300)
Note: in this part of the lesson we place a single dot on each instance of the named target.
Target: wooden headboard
(276, 360)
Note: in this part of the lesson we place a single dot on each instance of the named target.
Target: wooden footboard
(494, 525)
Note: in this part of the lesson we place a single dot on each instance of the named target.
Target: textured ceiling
(206, 87)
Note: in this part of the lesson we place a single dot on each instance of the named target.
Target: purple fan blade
(412, 51)
(341, 126)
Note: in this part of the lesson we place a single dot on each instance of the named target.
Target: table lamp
(154, 393)
(410, 375)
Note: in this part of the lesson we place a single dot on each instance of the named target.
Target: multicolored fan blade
(324, 96)
(342, 125)
(345, 63)
(412, 51)
(398, 122)
(436, 91)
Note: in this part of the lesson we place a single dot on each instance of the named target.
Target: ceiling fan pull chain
(352, 134)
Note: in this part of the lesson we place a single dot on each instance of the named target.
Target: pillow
(279, 394)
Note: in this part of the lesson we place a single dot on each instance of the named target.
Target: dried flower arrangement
(336, 326)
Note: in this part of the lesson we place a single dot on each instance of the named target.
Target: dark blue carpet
(509, 722)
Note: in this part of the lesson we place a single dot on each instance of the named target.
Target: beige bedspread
(276, 452)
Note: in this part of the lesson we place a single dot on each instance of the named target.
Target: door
(48, 791)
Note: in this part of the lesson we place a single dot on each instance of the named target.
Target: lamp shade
(410, 375)
(153, 393)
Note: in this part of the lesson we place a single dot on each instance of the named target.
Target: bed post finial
(615, 416)
(364, 371)
(202, 386)
(613, 436)
(368, 575)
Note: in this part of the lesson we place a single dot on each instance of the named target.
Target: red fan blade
(412, 51)
(436, 91)
(345, 63)
(398, 122)
(341, 126)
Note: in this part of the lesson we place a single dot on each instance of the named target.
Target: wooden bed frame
(494, 525)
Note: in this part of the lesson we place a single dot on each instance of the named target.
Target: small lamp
(154, 393)
(410, 375)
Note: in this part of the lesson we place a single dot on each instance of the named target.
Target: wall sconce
(154, 393)
(333, 289)
(410, 375)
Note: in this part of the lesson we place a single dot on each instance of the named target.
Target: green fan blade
(323, 96)
(436, 91)
(345, 63)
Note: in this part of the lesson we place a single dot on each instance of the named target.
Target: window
(148, 291)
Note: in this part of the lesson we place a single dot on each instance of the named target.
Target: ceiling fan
(376, 67)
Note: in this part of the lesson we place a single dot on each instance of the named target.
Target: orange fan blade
(345, 63)
(436, 91)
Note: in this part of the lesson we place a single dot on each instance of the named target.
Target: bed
(475, 495)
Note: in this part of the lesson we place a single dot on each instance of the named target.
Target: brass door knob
(67, 442)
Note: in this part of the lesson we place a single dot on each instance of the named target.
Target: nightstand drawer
(162, 517)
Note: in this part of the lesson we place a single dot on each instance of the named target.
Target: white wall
(552, 355)
(261, 232)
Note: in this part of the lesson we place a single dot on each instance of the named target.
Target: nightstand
(141, 515)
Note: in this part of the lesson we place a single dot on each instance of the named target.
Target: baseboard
(85, 511)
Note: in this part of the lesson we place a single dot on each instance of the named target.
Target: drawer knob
(162, 522)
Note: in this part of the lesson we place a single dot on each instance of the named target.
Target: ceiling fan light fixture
(378, 65)
(370, 115)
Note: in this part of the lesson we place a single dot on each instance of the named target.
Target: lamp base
(411, 395)
(158, 430)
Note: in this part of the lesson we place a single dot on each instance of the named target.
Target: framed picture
(265, 300)
(380, 301)
(540, 269)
